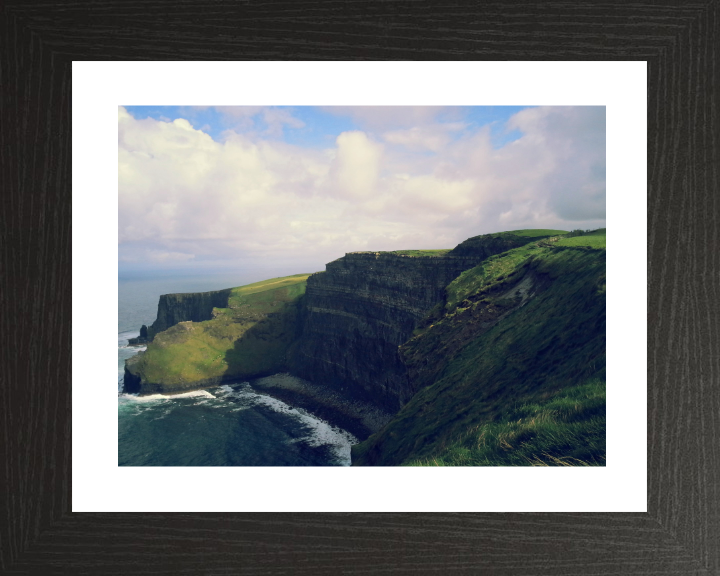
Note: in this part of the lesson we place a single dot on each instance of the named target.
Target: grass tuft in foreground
(567, 429)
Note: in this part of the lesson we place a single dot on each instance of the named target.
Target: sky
(247, 187)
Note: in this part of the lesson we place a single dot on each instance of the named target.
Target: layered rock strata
(360, 310)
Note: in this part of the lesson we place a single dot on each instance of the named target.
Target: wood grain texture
(681, 532)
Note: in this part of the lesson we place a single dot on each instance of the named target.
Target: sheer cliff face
(360, 310)
(196, 307)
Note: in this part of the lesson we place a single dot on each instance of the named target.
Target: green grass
(493, 270)
(487, 348)
(487, 245)
(271, 284)
(502, 266)
(249, 337)
(536, 233)
(594, 239)
(566, 429)
(421, 253)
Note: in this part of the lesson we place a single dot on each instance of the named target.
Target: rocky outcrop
(196, 307)
(142, 339)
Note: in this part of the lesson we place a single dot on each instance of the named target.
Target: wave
(164, 397)
(320, 432)
(313, 431)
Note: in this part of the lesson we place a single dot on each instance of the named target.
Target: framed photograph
(72, 509)
(293, 280)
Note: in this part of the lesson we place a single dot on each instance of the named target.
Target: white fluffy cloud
(356, 166)
(431, 137)
(184, 197)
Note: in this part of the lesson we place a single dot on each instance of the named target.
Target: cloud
(567, 146)
(356, 166)
(245, 118)
(184, 197)
(433, 137)
(383, 118)
(276, 119)
(239, 111)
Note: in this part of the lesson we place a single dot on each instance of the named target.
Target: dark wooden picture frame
(680, 533)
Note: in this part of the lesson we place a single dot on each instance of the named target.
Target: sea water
(229, 425)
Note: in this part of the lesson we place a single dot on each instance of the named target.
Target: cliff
(359, 311)
(365, 305)
(346, 330)
(511, 369)
(247, 338)
(492, 353)
(192, 307)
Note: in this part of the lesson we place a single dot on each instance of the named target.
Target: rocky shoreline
(358, 417)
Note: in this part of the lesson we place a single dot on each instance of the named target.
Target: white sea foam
(321, 433)
(165, 397)
(134, 349)
(135, 399)
(193, 394)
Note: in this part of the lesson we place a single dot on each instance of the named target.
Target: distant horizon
(208, 188)
(235, 267)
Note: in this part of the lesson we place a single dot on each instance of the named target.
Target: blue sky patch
(316, 127)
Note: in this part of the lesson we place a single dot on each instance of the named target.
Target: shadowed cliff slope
(366, 304)
(247, 337)
(524, 328)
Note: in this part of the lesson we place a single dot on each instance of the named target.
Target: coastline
(358, 417)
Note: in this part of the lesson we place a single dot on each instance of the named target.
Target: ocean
(229, 425)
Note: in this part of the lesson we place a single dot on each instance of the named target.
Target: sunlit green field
(594, 239)
(249, 337)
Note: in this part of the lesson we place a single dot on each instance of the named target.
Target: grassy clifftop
(488, 245)
(510, 369)
(250, 337)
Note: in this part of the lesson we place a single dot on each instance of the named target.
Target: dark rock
(360, 310)
(195, 307)
(366, 304)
